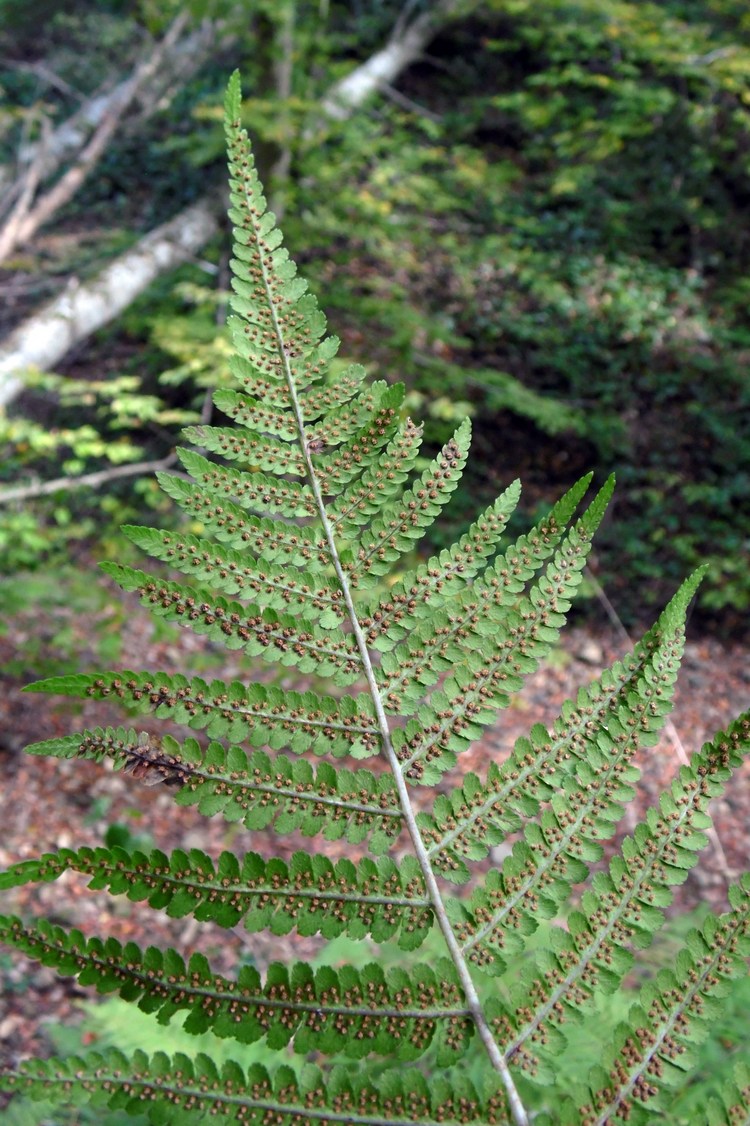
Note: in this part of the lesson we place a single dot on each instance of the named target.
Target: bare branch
(70, 138)
(86, 480)
(42, 340)
(46, 74)
(25, 190)
(407, 103)
(404, 47)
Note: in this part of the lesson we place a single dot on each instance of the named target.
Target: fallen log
(41, 341)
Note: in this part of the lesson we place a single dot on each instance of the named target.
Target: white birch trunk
(403, 48)
(41, 341)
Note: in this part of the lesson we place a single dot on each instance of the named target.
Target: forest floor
(47, 804)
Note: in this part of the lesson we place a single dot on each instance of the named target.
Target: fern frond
(266, 715)
(319, 400)
(257, 790)
(301, 527)
(291, 544)
(365, 497)
(624, 906)
(445, 582)
(249, 448)
(255, 491)
(490, 668)
(310, 893)
(475, 615)
(184, 1089)
(674, 1013)
(535, 880)
(336, 427)
(583, 770)
(478, 815)
(277, 638)
(236, 572)
(348, 1011)
(399, 524)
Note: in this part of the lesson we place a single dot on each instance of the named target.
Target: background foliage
(544, 223)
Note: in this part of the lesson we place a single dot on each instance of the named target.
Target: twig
(712, 56)
(19, 215)
(46, 74)
(670, 730)
(188, 56)
(408, 103)
(403, 19)
(17, 198)
(87, 480)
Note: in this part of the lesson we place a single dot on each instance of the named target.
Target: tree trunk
(42, 340)
(403, 48)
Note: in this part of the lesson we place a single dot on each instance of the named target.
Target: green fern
(313, 501)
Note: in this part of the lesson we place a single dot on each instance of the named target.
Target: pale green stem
(518, 1112)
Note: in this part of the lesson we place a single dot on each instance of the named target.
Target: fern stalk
(520, 1117)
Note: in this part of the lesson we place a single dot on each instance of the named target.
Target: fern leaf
(623, 907)
(278, 638)
(673, 1014)
(246, 410)
(478, 816)
(475, 614)
(434, 586)
(248, 447)
(235, 572)
(181, 1089)
(336, 427)
(314, 402)
(558, 847)
(481, 683)
(254, 491)
(349, 461)
(301, 720)
(300, 524)
(356, 504)
(400, 523)
(347, 1011)
(310, 893)
(292, 545)
(257, 790)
